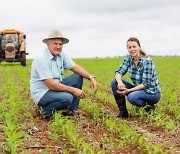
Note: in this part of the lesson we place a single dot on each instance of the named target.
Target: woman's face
(133, 49)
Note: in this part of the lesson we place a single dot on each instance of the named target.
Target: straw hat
(56, 34)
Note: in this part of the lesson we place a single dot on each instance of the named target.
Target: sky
(96, 28)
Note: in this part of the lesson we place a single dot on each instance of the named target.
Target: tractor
(13, 46)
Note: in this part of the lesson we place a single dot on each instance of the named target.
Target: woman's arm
(125, 91)
(120, 85)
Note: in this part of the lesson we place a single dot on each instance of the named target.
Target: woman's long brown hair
(133, 39)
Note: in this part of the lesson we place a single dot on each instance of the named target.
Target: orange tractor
(13, 46)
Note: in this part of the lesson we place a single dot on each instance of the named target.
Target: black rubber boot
(149, 108)
(121, 102)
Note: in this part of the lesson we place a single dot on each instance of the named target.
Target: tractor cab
(12, 46)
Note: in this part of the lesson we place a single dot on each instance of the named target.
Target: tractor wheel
(23, 59)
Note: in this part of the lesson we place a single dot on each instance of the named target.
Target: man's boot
(121, 102)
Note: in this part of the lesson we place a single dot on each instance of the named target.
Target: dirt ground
(41, 133)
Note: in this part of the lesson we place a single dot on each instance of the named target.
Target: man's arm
(81, 71)
(55, 86)
(85, 74)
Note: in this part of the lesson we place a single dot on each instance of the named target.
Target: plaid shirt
(144, 73)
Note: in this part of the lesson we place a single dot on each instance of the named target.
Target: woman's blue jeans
(139, 97)
(54, 100)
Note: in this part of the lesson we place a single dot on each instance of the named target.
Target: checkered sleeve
(123, 68)
(148, 73)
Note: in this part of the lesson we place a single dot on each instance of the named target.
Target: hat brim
(64, 40)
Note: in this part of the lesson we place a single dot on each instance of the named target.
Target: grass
(95, 129)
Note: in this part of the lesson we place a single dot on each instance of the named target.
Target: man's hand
(79, 93)
(93, 84)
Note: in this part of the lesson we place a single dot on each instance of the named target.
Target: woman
(145, 89)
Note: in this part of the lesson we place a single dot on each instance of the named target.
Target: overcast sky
(96, 28)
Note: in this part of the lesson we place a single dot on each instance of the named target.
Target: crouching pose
(49, 89)
(145, 90)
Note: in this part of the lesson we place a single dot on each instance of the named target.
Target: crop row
(94, 129)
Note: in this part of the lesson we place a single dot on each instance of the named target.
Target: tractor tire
(23, 59)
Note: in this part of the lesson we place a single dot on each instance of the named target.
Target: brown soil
(95, 134)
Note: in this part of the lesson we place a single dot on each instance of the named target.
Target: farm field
(94, 129)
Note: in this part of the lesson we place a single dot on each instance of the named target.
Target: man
(48, 89)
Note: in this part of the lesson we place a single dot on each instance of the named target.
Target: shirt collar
(139, 62)
(50, 56)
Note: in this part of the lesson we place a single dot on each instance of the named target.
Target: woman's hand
(121, 86)
(123, 91)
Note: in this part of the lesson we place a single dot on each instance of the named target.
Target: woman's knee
(114, 86)
(113, 83)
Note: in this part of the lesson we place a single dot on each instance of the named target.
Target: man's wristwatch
(91, 76)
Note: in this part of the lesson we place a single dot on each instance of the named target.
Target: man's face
(55, 46)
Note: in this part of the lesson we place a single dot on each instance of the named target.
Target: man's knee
(78, 81)
(79, 77)
(67, 97)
